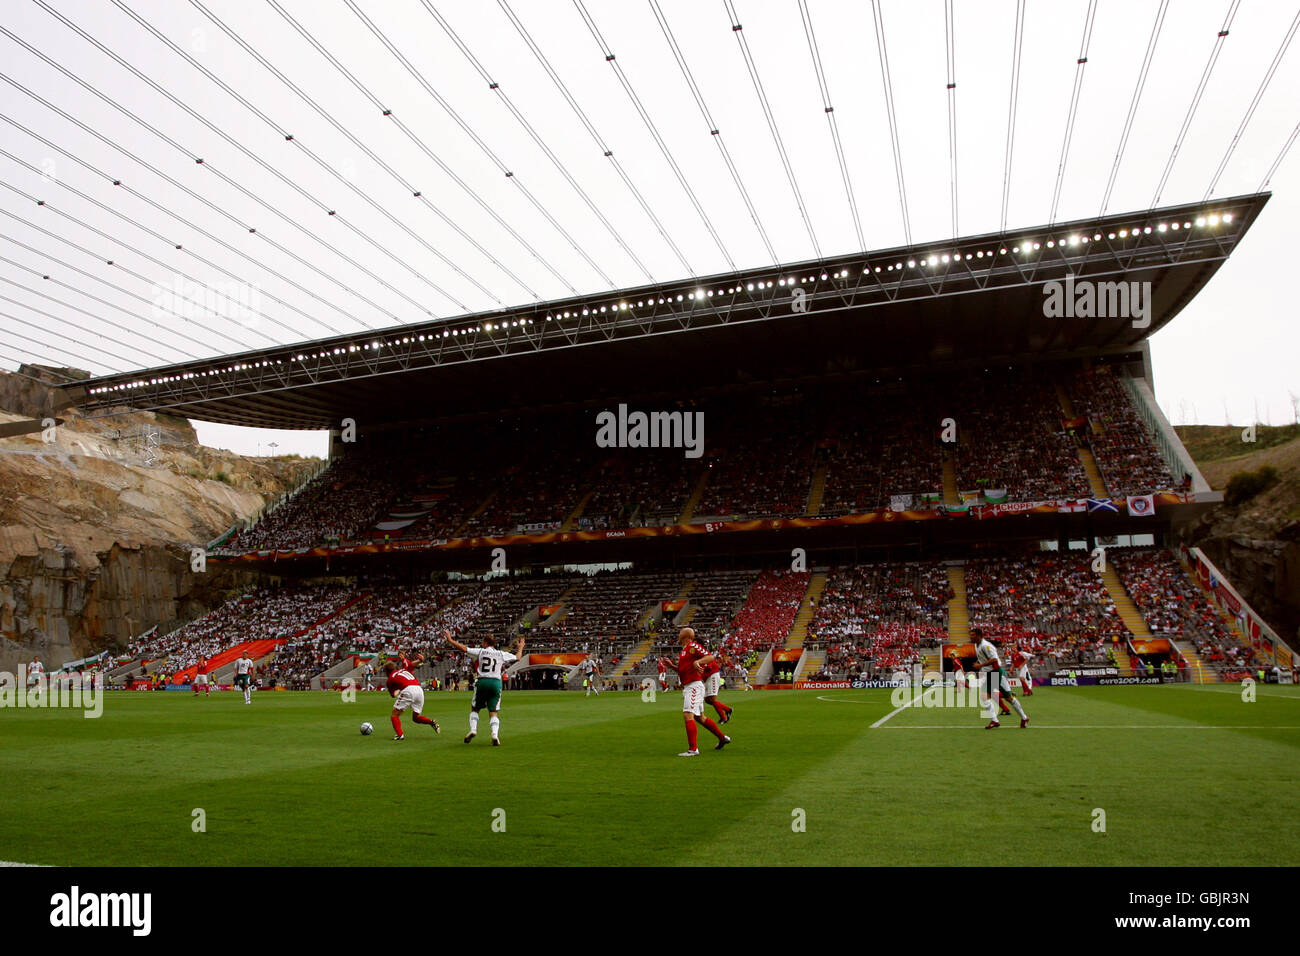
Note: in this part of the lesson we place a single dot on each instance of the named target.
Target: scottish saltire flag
(1102, 504)
(1141, 505)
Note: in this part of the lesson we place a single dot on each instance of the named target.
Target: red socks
(711, 727)
(397, 723)
(421, 719)
(691, 736)
(721, 708)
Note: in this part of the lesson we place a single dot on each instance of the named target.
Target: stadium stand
(1052, 605)
(875, 618)
(873, 449)
(1174, 607)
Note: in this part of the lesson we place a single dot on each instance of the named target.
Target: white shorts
(693, 698)
(200, 678)
(412, 697)
(713, 684)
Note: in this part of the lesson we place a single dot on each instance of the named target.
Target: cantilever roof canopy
(974, 299)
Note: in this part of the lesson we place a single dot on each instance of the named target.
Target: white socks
(473, 722)
(1019, 710)
(495, 723)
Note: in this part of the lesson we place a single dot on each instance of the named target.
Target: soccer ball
(367, 729)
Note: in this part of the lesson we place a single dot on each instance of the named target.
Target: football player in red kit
(1020, 669)
(663, 675)
(406, 692)
(690, 670)
(712, 685)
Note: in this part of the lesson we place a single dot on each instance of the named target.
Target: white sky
(1234, 346)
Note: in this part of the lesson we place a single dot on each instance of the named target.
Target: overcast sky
(477, 239)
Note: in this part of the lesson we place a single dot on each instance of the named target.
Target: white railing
(1244, 619)
(1171, 448)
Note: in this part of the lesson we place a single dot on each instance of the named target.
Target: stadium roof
(969, 300)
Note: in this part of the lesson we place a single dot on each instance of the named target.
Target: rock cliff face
(1257, 543)
(97, 517)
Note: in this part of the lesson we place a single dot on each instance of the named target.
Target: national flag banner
(995, 496)
(1102, 504)
(960, 509)
(1141, 506)
(1069, 507)
(969, 497)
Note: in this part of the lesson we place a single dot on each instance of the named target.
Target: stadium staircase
(578, 509)
(818, 490)
(950, 493)
(1200, 671)
(931, 663)
(693, 501)
(634, 658)
(958, 613)
(1095, 481)
(810, 662)
(482, 506)
(121, 670)
(1124, 606)
(559, 615)
(343, 669)
(255, 649)
(1063, 397)
(1086, 458)
(807, 610)
(1123, 662)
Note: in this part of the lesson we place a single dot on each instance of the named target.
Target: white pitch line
(11, 863)
(1102, 726)
(896, 712)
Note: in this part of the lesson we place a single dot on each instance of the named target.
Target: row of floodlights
(306, 356)
(1026, 246)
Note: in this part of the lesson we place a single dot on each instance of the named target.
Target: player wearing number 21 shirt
(490, 667)
(690, 668)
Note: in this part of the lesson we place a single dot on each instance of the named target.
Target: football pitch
(1184, 775)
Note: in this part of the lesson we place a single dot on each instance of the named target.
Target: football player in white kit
(986, 658)
(491, 664)
(588, 668)
(244, 677)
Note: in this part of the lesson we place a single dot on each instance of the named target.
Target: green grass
(1186, 775)
(1206, 443)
